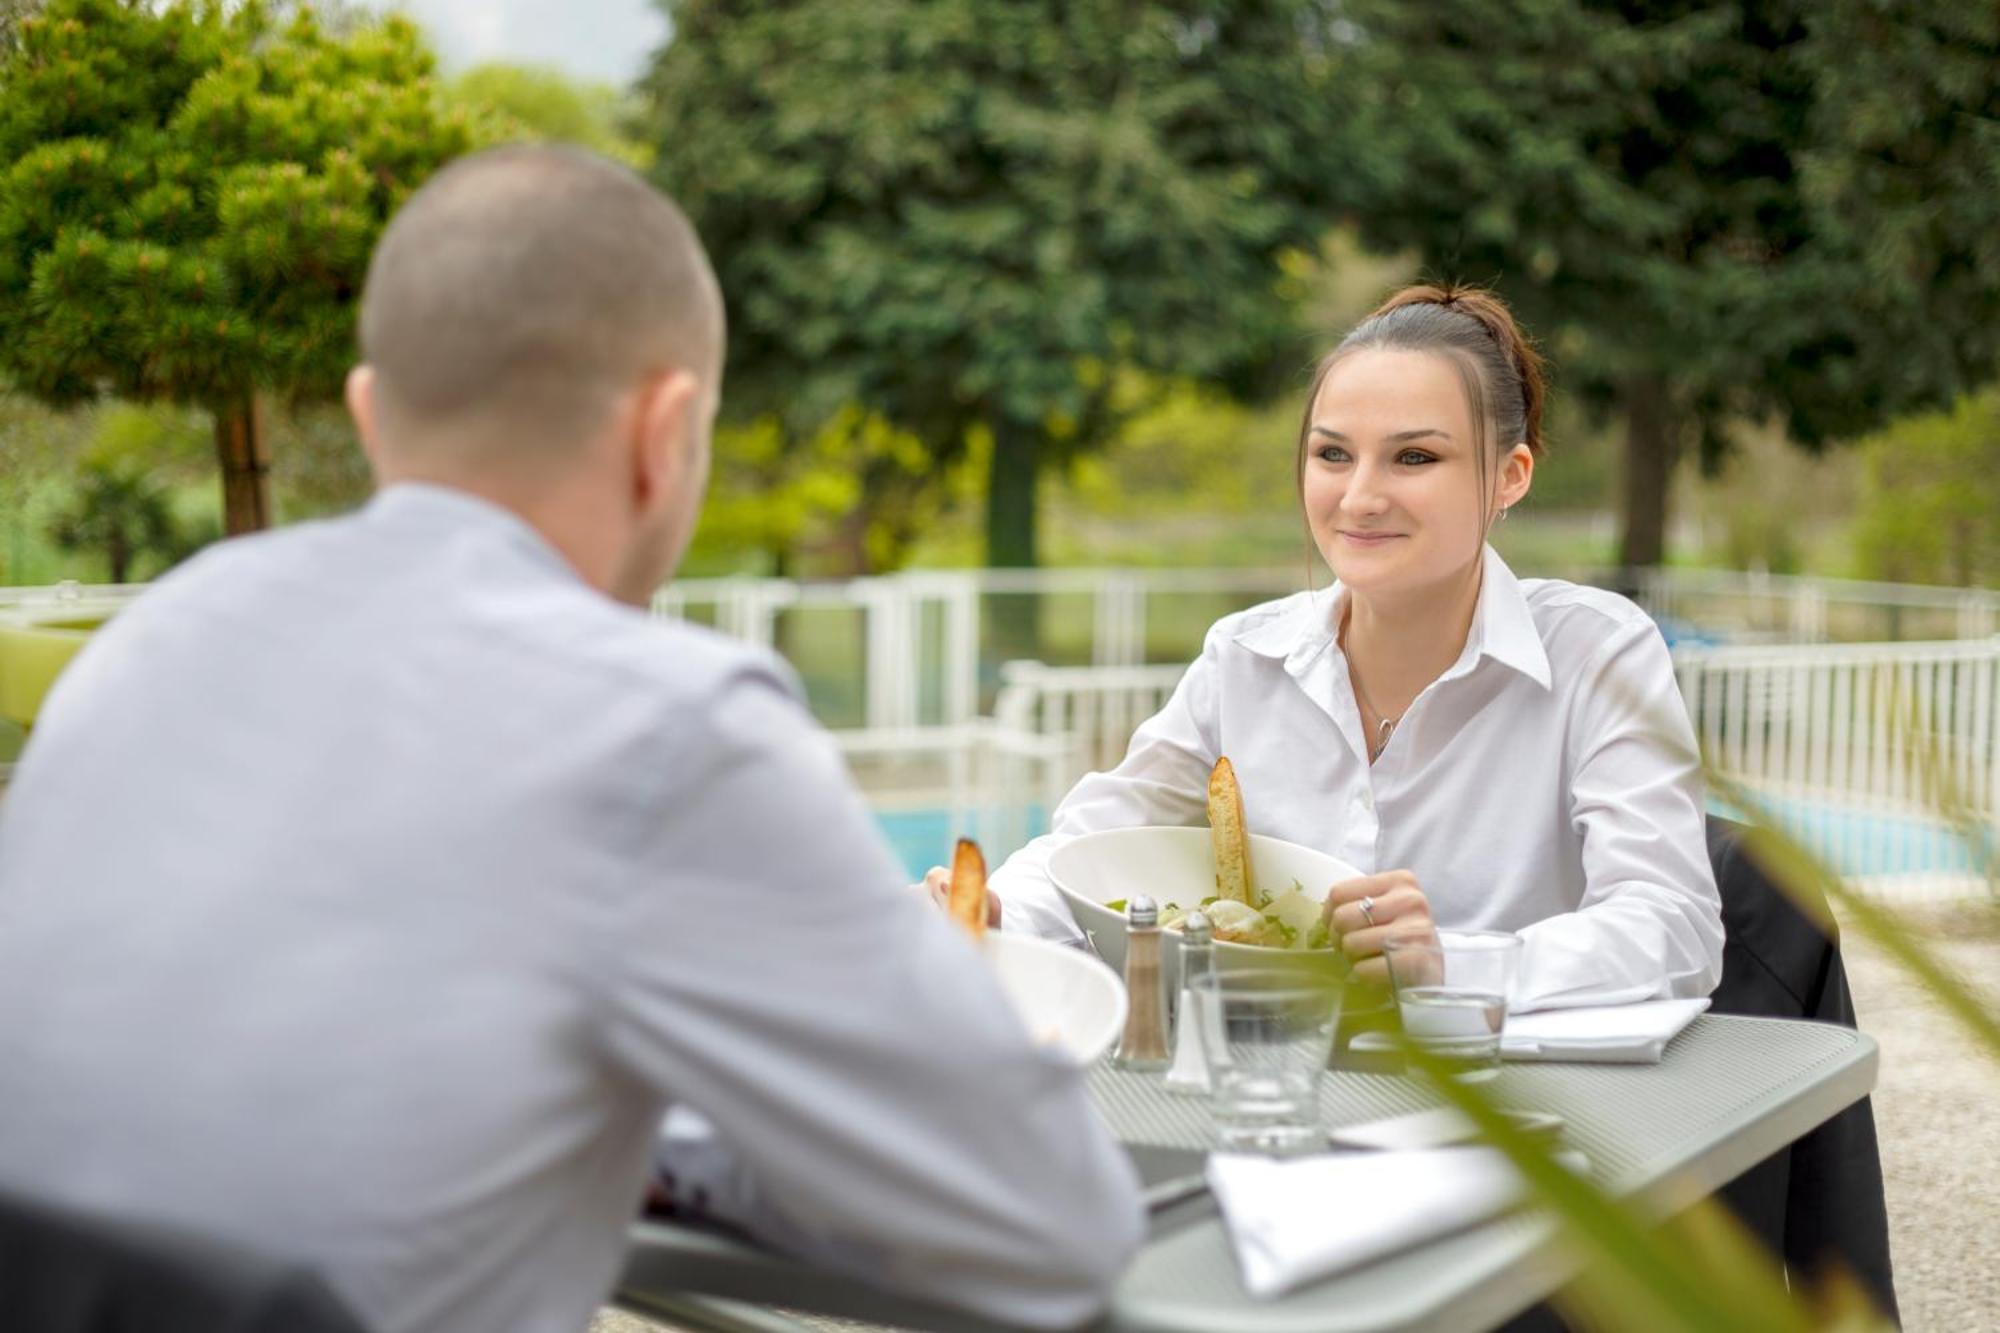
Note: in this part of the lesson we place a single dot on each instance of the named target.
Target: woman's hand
(937, 885)
(1362, 913)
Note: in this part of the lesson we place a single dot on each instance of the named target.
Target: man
(369, 888)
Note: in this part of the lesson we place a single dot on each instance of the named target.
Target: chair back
(66, 1271)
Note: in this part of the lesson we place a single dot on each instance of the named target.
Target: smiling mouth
(1369, 538)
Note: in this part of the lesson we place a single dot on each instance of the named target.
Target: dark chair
(64, 1271)
(1817, 1204)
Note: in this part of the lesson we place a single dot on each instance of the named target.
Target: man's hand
(1395, 908)
(937, 886)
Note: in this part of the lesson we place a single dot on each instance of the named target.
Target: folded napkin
(1621, 1034)
(1609, 1034)
(1295, 1221)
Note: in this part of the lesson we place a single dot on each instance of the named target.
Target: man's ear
(663, 435)
(360, 395)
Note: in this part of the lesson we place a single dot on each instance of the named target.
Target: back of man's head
(516, 295)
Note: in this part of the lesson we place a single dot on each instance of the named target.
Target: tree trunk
(1013, 620)
(1010, 496)
(1651, 444)
(120, 552)
(243, 452)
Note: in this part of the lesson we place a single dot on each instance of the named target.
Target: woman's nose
(1365, 493)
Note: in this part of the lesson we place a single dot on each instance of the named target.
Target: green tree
(961, 216)
(779, 501)
(191, 195)
(1930, 511)
(121, 511)
(120, 501)
(1714, 213)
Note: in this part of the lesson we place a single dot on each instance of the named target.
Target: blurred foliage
(786, 506)
(1769, 506)
(191, 196)
(1930, 511)
(118, 509)
(517, 103)
(317, 464)
(1710, 213)
(958, 215)
(37, 449)
(110, 483)
(47, 456)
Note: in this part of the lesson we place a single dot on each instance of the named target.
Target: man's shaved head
(519, 293)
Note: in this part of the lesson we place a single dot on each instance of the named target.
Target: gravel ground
(1935, 1111)
(1935, 1114)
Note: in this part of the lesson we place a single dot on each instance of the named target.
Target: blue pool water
(1850, 842)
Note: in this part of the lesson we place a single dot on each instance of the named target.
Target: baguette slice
(967, 901)
(1226, 831)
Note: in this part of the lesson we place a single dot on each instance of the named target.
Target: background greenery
(1088, 253)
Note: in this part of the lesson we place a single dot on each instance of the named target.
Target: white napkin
(1295, 1221)
(1622, 1034)
(1609, 1034)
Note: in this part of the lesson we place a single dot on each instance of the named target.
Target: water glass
(1265, 1037)
(1451, 992)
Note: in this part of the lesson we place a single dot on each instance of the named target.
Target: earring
(1505, 512)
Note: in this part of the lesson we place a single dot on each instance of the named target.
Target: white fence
(1869, 753)
(1095, 709)
(924, 648)
(1775, 608)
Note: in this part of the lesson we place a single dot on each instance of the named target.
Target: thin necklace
(1383, 725)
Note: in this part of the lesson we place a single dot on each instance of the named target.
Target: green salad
(1293, 919)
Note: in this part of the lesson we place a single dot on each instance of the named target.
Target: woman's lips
(1370, 538)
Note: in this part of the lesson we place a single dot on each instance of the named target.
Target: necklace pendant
(1382, 730)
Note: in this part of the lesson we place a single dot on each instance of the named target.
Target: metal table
(1729, 1092)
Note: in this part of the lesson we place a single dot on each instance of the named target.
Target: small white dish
(1068, 999)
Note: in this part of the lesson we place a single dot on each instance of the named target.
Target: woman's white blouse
(1546, 784)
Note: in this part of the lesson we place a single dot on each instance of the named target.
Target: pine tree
(189, 198)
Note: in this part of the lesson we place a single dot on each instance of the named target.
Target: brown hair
(519, 291)
(1473, 329)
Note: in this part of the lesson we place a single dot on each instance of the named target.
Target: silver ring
(1367, 906)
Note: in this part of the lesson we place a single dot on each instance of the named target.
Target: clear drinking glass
(1451, 991)
(1265, 1037)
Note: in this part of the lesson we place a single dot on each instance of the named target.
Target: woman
(1498, 754)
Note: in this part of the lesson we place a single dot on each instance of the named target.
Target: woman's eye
(1332, 453)
(1415, 457)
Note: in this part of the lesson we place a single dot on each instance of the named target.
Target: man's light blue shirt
(368, 889)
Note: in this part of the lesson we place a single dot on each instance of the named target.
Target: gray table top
(1728, 1093)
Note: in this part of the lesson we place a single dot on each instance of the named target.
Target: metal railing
(924, 648)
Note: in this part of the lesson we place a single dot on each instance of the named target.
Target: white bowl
(1068, 999)
(1177, 865)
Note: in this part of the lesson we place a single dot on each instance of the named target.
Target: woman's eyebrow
(1400, 437)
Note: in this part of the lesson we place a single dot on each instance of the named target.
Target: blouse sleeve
(1650, 922)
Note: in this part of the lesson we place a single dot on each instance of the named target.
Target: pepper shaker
(1144, 1042)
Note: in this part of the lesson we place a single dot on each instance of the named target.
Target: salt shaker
(1189, 1072)
(1144, 1043)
